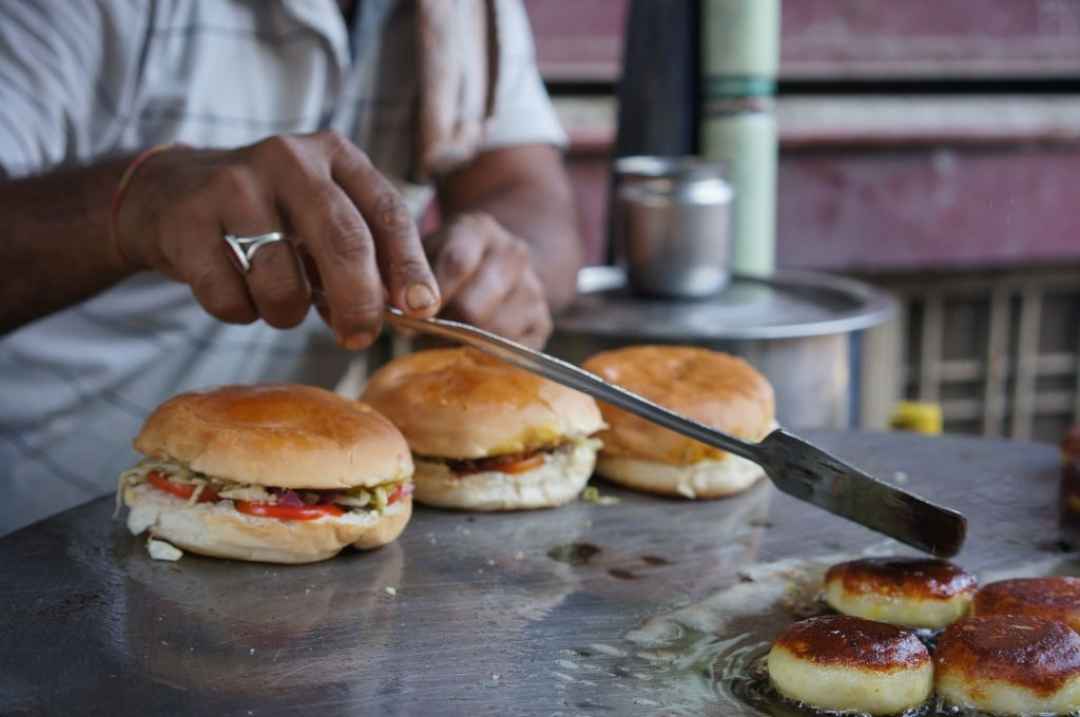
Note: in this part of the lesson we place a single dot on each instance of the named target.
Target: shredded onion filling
(374, 498)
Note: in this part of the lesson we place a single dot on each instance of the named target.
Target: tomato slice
(181, 490)
(288, 512)
(525, 464)
(512, 464)
(402, 490)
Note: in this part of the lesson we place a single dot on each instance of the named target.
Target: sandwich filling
(540, 479)
(512, 463)
(181, 482)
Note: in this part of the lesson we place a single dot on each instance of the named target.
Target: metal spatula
(793, 465)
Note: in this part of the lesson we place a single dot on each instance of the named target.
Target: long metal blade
(809, 473)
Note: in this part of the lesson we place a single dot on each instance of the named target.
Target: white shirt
(84, 79)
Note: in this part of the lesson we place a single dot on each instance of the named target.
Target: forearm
(54, 241)
(530, 196)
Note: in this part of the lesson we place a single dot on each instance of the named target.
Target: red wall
(886, 192)
(581, 39)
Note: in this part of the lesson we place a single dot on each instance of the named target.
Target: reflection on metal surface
(227, 635)
(483, 621)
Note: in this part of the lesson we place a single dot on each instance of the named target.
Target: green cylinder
(740, 48)
(742, 38)
(746, 142)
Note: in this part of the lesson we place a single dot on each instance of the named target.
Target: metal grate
(999, 351)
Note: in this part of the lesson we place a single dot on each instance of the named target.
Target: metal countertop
(483, 620)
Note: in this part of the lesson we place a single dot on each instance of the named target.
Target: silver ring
(245, 247)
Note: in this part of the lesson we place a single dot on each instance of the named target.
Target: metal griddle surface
(483, 620)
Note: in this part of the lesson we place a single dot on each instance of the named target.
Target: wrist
(122, 216)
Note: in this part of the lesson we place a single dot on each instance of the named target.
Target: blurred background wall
(930, 146)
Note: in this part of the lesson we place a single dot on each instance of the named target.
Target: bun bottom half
(219, 531)
(704, 479)
(906, 611)
(848, 687)
(559, 481)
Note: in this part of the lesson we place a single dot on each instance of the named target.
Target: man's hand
(350, 233)
(486, 278)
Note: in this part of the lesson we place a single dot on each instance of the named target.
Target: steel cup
(670, 226)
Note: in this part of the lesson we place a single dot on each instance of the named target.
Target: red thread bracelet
(125, 180)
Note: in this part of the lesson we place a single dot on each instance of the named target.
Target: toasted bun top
(716, 389)
(853, 642)
(916, 578)
(1055, 597)
(461, 403)
(1038, 654)
(277, 435)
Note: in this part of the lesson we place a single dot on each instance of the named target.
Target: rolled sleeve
(523, 113)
